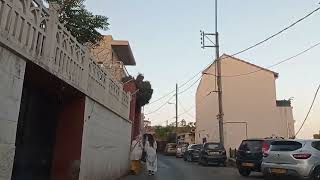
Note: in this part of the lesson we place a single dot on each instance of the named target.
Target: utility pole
(218, 69)
(177, 113)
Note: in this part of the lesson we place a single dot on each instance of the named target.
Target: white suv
(300, 158)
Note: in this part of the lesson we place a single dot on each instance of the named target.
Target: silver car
(300, 158)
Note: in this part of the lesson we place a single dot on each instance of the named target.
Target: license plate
(278, 171)
(213, 153)
(248, 164)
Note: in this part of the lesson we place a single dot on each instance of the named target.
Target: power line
(187, 112)
(276, 34)
(190, 86)
(271, 66)
(305, 119)
(173, 91)
(200, 102)
(160, 107)
(244, 50)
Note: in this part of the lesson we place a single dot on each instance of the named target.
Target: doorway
(49, 132)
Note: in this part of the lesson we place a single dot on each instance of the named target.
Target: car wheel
(244, 172)
(224, 164)
(189, 158)
(268, 176)
(316, 174)
(204, 162)
(184, 158)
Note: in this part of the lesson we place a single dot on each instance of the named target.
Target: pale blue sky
(165, 39)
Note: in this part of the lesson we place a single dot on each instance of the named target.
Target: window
(316, 145)
(285, 146)
(251, 145)
(198, 146)
(213, 146)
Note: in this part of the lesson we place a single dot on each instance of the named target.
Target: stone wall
(105, 143)
(12, 70)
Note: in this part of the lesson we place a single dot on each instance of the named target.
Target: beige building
(187, 137)
(249, 101)
(114, 55)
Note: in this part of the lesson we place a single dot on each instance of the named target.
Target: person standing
(135, 154)
(151, 160)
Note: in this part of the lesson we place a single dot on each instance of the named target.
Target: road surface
(170, 168)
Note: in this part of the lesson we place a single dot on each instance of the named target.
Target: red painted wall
(68, 145)
(135, 113)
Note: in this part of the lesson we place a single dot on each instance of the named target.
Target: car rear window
(251, 145)
(213, 146)
(316, 145)
(285, 146)
(172, 145)
(198, 146)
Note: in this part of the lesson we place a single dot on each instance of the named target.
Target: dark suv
(212, 153)
(250, 154)
(192, 153)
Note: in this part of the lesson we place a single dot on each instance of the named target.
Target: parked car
(300, 158)
(192, 153)
(212, 153)
(170, 149)
(249, 155)
(181, 148)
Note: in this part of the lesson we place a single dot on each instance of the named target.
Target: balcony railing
(33, 31)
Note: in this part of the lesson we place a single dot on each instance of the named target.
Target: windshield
(251, 145)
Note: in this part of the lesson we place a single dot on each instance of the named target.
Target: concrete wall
(12, 69)
(105, 143)
(287, 122)
(249, 98)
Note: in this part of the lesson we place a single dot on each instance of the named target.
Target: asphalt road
(170, 168)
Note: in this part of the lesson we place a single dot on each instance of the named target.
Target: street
(170, 168)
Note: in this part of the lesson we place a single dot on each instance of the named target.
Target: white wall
(287, 122)
(105, 144)
(206, 110)
(12, 70)
(249, 98)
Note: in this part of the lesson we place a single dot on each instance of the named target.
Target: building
(249, 103)
(62, 115)
(114, 55)
(186, 137)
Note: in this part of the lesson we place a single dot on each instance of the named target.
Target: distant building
(249, 102)
(187, 137)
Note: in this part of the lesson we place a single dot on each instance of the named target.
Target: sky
(165, 39)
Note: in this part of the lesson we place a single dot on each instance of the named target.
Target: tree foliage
(145, 91)
(80, 22)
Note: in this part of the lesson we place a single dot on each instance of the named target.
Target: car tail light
(265, 147)
(302, 156)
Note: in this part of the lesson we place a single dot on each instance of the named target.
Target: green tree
(82, 23)
(145, 91)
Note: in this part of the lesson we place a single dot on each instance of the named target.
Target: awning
(123, 51)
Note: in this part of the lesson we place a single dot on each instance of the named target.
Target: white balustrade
(33, 31)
